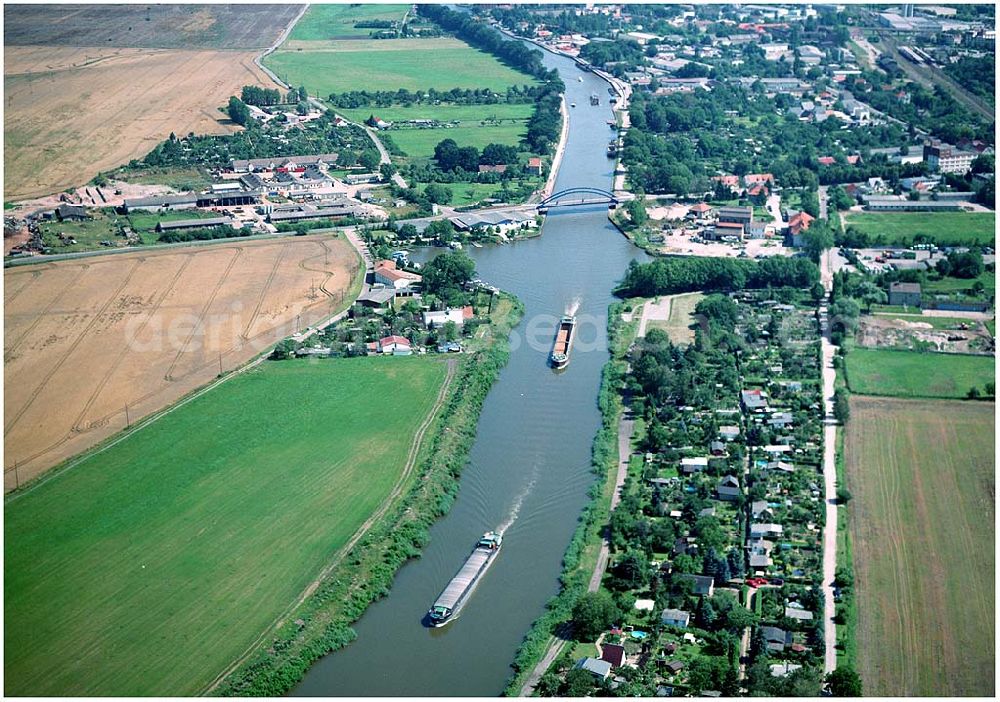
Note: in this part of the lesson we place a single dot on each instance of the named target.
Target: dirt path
(658, 309)
(388, 503)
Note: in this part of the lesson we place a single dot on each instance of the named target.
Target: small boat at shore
(457, 593)
(559, 358)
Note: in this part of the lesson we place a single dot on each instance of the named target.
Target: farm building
(194, 223)
(71, 212)
(904, 294)
(187, 201)
(892, 203)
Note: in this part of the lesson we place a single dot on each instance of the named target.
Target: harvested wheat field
(84, 338)
(921, 519)
(73, 112)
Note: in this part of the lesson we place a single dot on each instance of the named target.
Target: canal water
(529, 469)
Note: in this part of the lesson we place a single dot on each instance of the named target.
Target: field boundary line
(362, 530)
(69, 463)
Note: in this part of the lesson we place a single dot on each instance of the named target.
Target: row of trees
(263, 97)
(517, 94)
(452, 157)
(667, 276)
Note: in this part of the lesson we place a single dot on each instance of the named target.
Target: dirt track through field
(71, 112)
(922, 476)
(94, 342)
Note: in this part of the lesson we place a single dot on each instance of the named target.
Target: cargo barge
(450, 602)
(559, 358)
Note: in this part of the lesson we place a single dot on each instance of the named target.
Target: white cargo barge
(450, 602)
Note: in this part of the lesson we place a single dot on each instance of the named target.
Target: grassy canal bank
(583, 551)
(321, 623)
(220, 512)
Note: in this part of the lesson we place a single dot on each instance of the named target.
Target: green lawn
(389, 64)
(329, 21)
(148, 567)
(958, 285)
(944, 227)
(478, 125)
(914, 374)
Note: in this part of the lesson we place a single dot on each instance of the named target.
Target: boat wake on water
(572, 307)
(516, 507)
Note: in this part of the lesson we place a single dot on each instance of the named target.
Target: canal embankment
(321, 621)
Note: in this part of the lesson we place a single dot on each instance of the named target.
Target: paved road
(829, 481)
(773, 206)
(823, 200)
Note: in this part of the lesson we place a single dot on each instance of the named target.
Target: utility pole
(128, 423)
(17, 478)
(220, 363)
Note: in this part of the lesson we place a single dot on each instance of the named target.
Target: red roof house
(613, 654)
(800, 222)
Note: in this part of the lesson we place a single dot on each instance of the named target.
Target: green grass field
(150, 566)
(389, 64)
(913, 374)
(103, 225)
(923, 484)
(959, 285)
(478, 126)
(945, 227)
(330, 21)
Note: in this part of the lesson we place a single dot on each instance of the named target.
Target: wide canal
(529, 469)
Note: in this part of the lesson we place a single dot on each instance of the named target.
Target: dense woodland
(671, 275)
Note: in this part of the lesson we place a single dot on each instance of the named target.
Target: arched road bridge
(575, 197)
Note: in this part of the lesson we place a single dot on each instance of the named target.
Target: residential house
(675, 617)
(613, 654)
(799, 614)
(798, 223)
(762, 531)
(780, 420)
(386, 273)
(728, 489)
(395, 345)
(703, 584)
(693, 465)
(729, 433)
(596, 667)
(534, 166)
(673, 667)
(776, 639)
(781, 467)
(759, 509)
(438, 318)
(753, 400)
